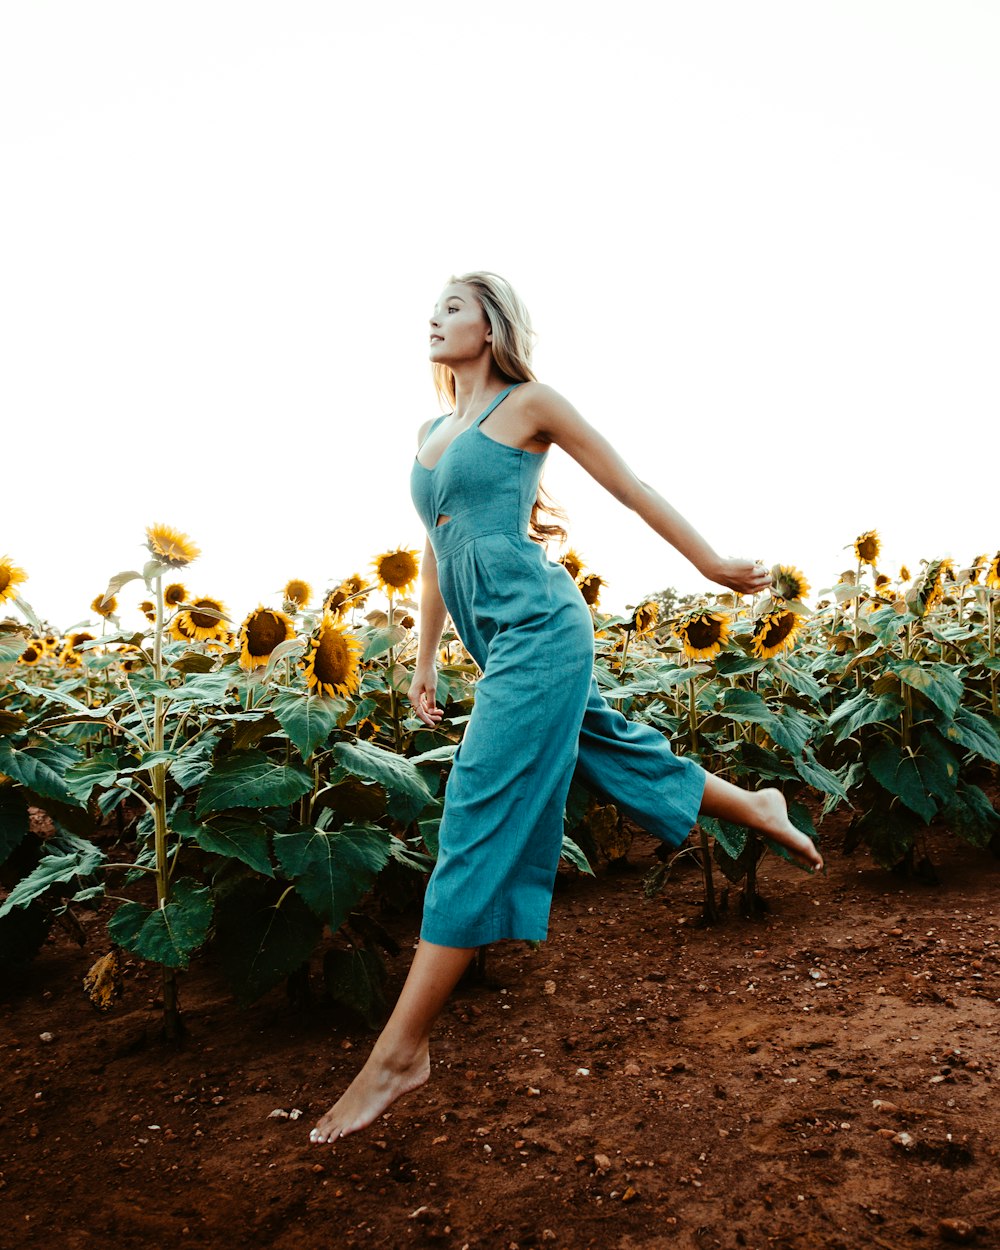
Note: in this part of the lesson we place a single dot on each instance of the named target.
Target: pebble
(602, 1163)
(46, 1037)
(955, 1229)
(549, 987)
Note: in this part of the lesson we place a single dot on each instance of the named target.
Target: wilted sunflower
(926, 592)
(703, 633)
(644, 618)
(260, 633)
(572, 562)
(148, 609)
(174, 593)
(883, 586)
(298, 592)
(774, 632)
(590, 587)
(170, 546)
(993, 573)
(33, 652)
(104, 607)
(205, 618)
(788, 583)
(867, 546)
(397, 571)
(407, 621)
(10, 578)
(971, 574)
(333, 663)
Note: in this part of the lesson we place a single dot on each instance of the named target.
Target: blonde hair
(512, 342)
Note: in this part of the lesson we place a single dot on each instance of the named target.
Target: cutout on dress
(442, 519)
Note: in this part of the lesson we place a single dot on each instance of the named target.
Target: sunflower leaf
(573, 854)
(937, 682)
(357, 979)
(405, 788)
(261, 935)
(975, 733)
(34, 773)
(231, 835)
(333, 870)
(100, 770)
(861, 710)
(917, 778)
(972, 816)
(381, 640)
(78, 859)
(118, 581)
(307, 719)
(250, 779)
(11, 647)
(165, 935)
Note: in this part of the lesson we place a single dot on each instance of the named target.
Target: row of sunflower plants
(882, 698)
(269, 777)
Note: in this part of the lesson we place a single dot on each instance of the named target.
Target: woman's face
(459, 330)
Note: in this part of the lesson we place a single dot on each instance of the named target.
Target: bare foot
(774, 824)
(376, 1087)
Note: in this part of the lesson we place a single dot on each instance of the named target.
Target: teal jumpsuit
(538, 712)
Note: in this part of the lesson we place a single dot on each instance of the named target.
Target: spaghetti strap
(498, 400)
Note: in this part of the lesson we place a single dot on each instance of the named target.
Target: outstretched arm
(555, 420)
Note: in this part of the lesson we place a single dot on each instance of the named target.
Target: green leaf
(11, 647)
(972, 816)
(12, 722)
(731, 837)
(799, 680)
(975, 733)
(101, 769)
(819, 777)
(333, 870)
(194, 762)
(79, 858)
(166, 935)
(307, 719)
(118, 581)
(261, 935)
(937, 682)
(573, 854)
(14, 824)
(762, 762)
(791, 729)
(357, 979)
(206, 689)
(407, 791)
(862, 710)
(439, 755)
(736, 663)
(381, 640)
(230, 835)
(33, 773)
(916, 778)
(251, 779)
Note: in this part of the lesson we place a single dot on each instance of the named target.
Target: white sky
(759, 242)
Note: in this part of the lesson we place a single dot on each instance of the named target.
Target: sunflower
(971, 574)
(993, 573)
(407, 621)
(76, 641)
(883, 586)
(904, 573)
(926, 592)
(572, 563)
(180, 629)
(10, 578)
(867, 546)
(333, 663)
(51, 643)
(260, 633)
(148, 609)
(397, 571)
(104, 607)
(298, 592)
(174, 593)
(703, 633)
(170, 547)
(590, 588)
(644, 618)
(774, 632)
(205, 618)
(788, 583)
(69, 658)
(33, 652)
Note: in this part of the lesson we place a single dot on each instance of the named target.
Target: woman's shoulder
(426, 428)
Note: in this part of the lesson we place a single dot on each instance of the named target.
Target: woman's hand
(423, 695)
(744, 576)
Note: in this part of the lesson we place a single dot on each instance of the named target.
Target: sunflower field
(242, 790)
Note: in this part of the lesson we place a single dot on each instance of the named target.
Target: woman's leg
(400, 1059)
(764, 810)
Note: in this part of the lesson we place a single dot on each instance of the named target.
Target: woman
(538, 713)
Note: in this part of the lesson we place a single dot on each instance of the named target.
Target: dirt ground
(825, 1077)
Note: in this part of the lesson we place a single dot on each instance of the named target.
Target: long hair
(512, 342)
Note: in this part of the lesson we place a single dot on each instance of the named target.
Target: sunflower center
(332, 662)
(778, 629)
(703, 633)
(397, 569)
(264, 632)
(202, 620)
(4, 578)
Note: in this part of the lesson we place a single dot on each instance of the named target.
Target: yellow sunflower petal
(170, 546)
(333, 663)
(702, 633)
(867, 546)
(10, 578)
(262, 631)
(774, 632)
(397, 571)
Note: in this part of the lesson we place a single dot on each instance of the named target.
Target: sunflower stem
(158, 777)
(693, 716)
(992, 648)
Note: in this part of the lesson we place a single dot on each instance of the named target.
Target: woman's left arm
(555, 420)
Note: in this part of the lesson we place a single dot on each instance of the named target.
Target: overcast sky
(759, 243)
